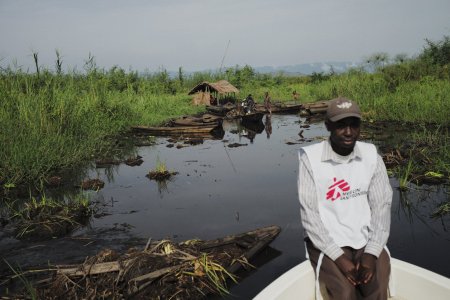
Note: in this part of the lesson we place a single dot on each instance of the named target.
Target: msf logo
(336, 189)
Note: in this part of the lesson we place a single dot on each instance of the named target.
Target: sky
(208, 34)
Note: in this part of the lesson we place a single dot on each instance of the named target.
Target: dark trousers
(337, 285)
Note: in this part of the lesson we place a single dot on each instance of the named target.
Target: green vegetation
(421, 156)
(45, 217)
(52, 121)
(160, 173)
(441, 210)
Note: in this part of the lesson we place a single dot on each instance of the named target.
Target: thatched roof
(221, 87)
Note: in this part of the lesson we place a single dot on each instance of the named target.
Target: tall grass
(51, 121)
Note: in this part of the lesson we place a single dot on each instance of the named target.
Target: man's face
(344, 134)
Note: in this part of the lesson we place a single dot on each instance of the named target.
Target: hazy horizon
(205, 35)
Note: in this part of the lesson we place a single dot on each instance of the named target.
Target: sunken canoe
(162, 269)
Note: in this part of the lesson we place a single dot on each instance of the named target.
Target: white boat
(408, 282)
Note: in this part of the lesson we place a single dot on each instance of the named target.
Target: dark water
(221, 191)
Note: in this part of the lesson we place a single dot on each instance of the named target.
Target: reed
(405, 176)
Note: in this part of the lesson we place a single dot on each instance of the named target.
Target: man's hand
(366, 268)
(347, 268)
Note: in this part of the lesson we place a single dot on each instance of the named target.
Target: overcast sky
(194, 34)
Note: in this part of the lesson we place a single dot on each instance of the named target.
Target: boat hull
(187, 131)
(409, 282)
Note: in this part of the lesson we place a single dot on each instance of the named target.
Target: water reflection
(268, 126)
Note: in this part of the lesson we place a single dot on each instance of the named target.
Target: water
(221, 191)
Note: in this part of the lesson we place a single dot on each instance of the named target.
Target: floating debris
(134, 161)
(234, 145)
(92, 184)
(162, 270)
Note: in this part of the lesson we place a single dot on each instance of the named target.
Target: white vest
(342, 193)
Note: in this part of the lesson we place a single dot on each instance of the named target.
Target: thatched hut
(220, 90)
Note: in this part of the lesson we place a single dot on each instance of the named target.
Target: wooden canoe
(408, 282)
(220, 110)
(318, 107)
(280, 108)
(175, 131)
(252, 117)
(286, 107)
(204, 120)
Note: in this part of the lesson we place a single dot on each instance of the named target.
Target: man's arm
(380, 200)
(309, 210)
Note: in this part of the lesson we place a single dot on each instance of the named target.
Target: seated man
(345, 205)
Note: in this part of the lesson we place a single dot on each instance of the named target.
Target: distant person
(249, 104)
(345, 206)
(295, 95)
(267, 103)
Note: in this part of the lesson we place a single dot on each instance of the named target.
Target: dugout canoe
(280, 108)
(319, 107)
(408, 282)
(220, 110)
(203, 120)
(177, 130)
(255, 117)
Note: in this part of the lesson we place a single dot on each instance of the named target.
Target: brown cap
(340, 108)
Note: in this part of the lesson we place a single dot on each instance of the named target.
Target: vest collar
(329, 154)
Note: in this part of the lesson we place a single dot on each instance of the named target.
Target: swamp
(79, 188)
(220, 190)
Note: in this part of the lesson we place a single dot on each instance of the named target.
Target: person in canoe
(248, 104)
(345, 206)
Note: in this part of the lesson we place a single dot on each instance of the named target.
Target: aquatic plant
(160, 173)
(45, 217)
(441, 210)
(30, 291)
(405, 174)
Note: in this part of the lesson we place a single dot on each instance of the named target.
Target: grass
(405, 175)
(426, 157)
(45, 217)
(215, 273)
(52, 121)
(30, 291)
(442, 210)
(161, 174)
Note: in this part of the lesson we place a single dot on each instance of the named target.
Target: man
(345, 199)
(267, 103)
